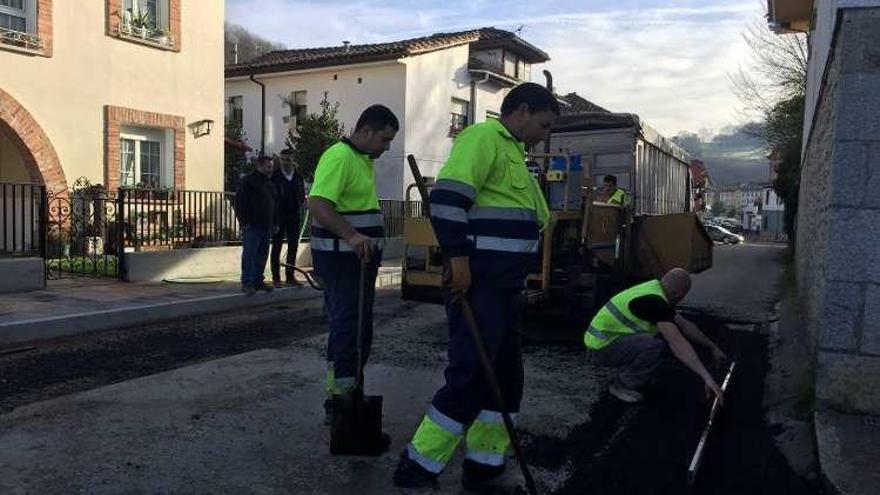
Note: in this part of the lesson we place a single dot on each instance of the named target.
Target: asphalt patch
(646, 449)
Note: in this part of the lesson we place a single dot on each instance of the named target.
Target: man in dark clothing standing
(289, 187)
(256, 203)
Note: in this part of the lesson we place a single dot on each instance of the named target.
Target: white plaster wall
(66, 93)
(383, 83)
(433, 80)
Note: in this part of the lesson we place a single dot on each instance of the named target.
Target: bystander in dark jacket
(256, 205)
(291, 194)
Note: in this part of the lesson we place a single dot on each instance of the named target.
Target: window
(152, 14)
(142, 161)
(459, 116)
(510, 61)
(298, 108)
(523, 70)
(235, 110)
(15, 15)
(146, 20)
(13, 23)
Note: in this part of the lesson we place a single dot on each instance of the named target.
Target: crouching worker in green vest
(633, 331)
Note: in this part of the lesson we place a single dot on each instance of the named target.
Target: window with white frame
(460, 118)
(148, 20)
(235, 110)
(510, 61)
(19, 15)
(152, 14)
(298, 108)
(145, 159)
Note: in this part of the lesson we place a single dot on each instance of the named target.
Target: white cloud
(668, 64)
(661, 64)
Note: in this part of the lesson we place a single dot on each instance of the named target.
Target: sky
(667, 61)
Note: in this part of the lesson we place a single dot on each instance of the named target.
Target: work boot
(409, 474)
(263, 286)
(480, 478)
(625, 394)
(277, 283)
(248, 289)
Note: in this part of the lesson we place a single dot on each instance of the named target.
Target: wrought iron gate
(82, 236)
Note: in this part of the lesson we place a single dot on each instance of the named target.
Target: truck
(589, 249)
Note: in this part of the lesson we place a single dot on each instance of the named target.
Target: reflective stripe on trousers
(435, 441)
(487, 439)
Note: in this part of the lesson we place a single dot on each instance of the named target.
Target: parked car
(731, 225)
(720, 234)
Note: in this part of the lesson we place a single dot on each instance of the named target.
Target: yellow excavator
(590, 249)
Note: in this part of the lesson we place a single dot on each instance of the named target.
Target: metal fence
(163, 219)
(82, 238)
(88, 225)
(394, 211)
(23, 207)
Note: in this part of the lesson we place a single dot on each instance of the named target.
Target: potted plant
(161, 36)
(141, 24)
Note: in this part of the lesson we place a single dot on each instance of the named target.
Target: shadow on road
(646, 449)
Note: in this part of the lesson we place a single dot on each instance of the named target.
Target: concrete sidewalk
(74, 306)
(849, 452)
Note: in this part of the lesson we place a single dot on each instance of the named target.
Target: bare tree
(777, 70)
(248, 44)
(773, 87)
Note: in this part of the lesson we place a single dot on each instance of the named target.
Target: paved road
(742, 285)
(231, 403)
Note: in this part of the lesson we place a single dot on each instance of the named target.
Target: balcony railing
(146, 34)
(19, 39)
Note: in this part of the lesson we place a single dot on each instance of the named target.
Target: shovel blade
(357, 426)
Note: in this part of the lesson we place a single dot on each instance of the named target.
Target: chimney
(347, 45)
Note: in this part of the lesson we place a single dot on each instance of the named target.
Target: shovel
(357, 418)
(495, 389)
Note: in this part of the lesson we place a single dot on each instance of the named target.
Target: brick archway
(33, 144)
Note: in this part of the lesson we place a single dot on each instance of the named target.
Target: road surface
(231, 403)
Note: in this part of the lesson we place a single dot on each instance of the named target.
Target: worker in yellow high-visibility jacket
(613, 194)
(635, 328)
(487, 211)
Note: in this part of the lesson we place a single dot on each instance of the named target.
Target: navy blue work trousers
(498, 312)
(340, 274)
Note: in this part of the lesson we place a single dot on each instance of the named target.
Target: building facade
(436, 86)
(838, 224)
(772, 215)
(120, 92)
